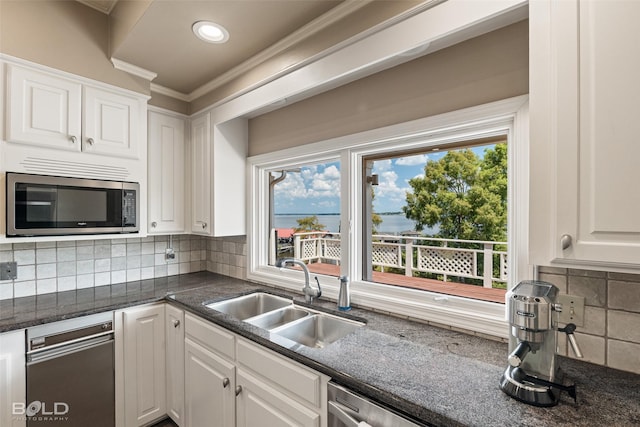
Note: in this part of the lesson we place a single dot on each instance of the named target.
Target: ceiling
(161, 40)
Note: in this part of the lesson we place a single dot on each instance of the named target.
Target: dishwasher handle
(53, 352)
(339, 412)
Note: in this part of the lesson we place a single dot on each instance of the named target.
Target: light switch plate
(8, 270)
(572, 309)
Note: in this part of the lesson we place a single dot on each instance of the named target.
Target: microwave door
(35, 206)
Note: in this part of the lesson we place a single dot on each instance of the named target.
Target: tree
(309, 223)
(466, 197)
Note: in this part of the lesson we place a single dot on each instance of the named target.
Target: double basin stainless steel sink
(288, 324)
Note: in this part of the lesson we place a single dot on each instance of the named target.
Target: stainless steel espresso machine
(532, 375)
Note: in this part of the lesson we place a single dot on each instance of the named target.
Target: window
(352, 162)
(438, 220)
(305, 216)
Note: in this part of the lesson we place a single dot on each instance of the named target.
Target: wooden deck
(448, 288)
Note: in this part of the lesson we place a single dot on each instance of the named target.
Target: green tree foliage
(465, 196)
(309, 223)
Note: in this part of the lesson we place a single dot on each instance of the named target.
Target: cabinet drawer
(301, 382)
(210, 336)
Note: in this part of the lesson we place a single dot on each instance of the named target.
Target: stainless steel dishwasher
(347, 409)
(70, 373)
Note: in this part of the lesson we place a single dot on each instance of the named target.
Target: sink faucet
(309, 292)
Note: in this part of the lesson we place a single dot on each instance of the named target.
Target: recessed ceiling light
(210, 32)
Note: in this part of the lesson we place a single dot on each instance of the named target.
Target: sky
(316, 188)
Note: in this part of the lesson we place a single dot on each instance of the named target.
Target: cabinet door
(584, 96)
(111, 123)
(174, 330)
(209, 388)
(166, 173)
(43, 110)
(201, 175)
(12, 379)
(144, 364)
(258, 405)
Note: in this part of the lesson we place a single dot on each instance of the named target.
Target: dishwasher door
(347, 409)
(71, 383)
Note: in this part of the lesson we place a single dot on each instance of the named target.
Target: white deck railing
(414, 254)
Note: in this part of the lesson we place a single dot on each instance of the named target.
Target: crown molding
(133, 69)
(104, 6)
(156, 88)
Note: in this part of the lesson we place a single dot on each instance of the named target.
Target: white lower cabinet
(210, 385)
(230, 381)
(12, 379)
(174, 332)
(140, 365)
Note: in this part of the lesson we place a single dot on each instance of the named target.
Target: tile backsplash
(611, 333)
(46, 267)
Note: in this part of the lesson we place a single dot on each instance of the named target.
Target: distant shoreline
(337, 213)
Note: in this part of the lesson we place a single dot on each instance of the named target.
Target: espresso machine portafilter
(532, 375)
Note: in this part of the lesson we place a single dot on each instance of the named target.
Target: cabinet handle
(238, 390)
(73, 139)
(176, 323)
(90, 141)
(154, 224)
(225, 382)
(565, 241)
(204, 225)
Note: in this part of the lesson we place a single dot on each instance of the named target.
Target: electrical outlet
(8, 270)
(169, 254)
(572, 309)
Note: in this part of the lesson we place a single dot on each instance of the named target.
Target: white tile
(84, 281)
(173, 269)
(147, 248)
(46, 286)
(6, 290)
(23, 246)
(118, 250)
(102, 251)
(119, 263)
(66, 283)
(146, 273)
(44, 245)
(119, 276)
(6, 256)
(26, 272)
(160, 271)
(185, 267)
(103, 278)
(84, 266)
(159, 259)
(66, 254)
(147, 260)
(102, 265)
(624, 356)
(6, 247)
(133, 261)
(66, 269)
(134, 248)
(133, 274)
(84, 252)
(46, 271)
(160, 247)
(27, 256)
(66, 244)
(24, 289)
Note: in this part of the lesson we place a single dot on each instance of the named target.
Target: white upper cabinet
(201, 175)
(56, 112)
(584, 63)
(166, 171)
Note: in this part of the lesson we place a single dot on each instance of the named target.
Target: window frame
(507, 117)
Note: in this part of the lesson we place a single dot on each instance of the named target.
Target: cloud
(418, 159)
(312, 182)
(380, 166)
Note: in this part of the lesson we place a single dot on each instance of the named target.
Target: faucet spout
(309, 292)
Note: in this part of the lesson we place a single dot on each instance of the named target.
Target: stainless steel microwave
(41, 205)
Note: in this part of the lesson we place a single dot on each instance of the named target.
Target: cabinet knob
(154, 224)
(73, 139)
(565, 241)
(238, 390)
(176, 323)
(225, 383)
(90, 141)
(204, 225)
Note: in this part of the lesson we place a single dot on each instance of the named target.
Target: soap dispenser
(344, 301)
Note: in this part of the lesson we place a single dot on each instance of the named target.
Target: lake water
(391, 224)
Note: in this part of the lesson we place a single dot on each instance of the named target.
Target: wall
(228, 256)
(66, 35)
(610, 335)
(47, 267)
(484, 69)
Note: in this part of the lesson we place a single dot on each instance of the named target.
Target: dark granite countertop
(439, 376)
